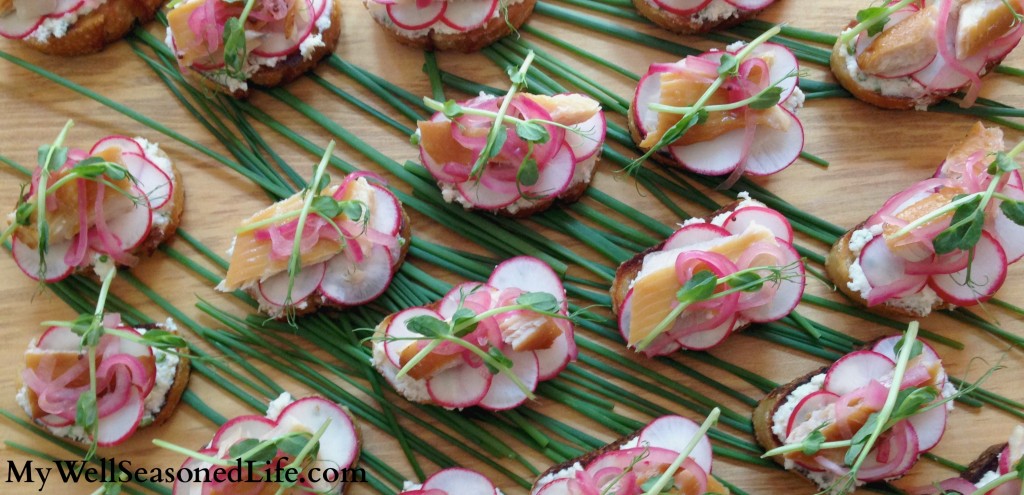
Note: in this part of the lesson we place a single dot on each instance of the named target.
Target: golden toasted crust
(762, 417)
(687, 24)
(180, 384)
(589, 456)
(97, 29)
(469, 41)
(159, 236)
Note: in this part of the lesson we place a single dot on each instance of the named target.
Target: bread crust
(180, 383)
(766, 408)
(469, 41)
(589, 456)
(689, 24)
(92, 32)
(986, 462)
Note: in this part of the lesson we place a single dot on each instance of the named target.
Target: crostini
(137, 385)
(911, 258)
(635, 462)
(303, 446)
(912, 54)
(742, 255)
(452, 481)
(995, 472)
(228, 45)
(73, 27)
(730, 112)
(455, 25)
(807, 425)
(484, 344)
(119, 200)
(549, 149)
(699, 16)
(354, 238)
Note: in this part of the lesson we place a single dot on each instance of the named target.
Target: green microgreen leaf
(532, 132)
(86, 413)
(529, 172)
(746, 281)
(729, 65)
(162, 339)
(427, 326)
(452, 109)
(1014, 210)
(812, 444)
(51, 157)
(870, 13)
(541, 302)
(1002, 163)
(498, 359)
(699, 288)
(234, 47)
(767, 99)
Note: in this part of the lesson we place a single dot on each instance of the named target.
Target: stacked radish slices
(486, 345)
(452, 481)
(287, 428)
(739, 135)
(630, 465)
(837, 404)
(525, 173)
(26, 18)
(132, 383)
(118, 199)
(900, 258)
(746, 239)
(347, 256)
(414, 18)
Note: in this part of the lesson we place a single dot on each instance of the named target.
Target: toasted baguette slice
(92, 32)
(766, 408)
(986, 462)
(702, 21)
(497, 27)
(176, 387)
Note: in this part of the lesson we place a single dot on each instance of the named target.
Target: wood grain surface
(873, 154)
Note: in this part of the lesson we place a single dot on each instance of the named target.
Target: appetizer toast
(449, 25)
(452, 481)
(699, 16)
(70, 28)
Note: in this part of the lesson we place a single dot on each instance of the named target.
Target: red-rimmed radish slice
(893, 456)
(647, 91)
(783, 63)
(504, 393)
(674, 433)
(461, 481)
(625, 311)
(695, 234)
(682, 7)
(807, 406)
(451, 301)
(241, 428)
(618, 460)
(886, 272)
(459, 387)
(773, 150)
(560, 486)
(466, 15)
(386, 216)
(274, 42)
(482, 196)
(529, 274)
(28, 260)
(398, 329)
(588, 138)
(124, 143)
(191, 464)
(750, 4)
(352, 283)
(59, 339)
(939, 264)
(120, 425)
(63, 7)
(312, 413)
(787, 293)
(929, 425)
(718, 156)
(275, 289)
(706, 339)
(319, 6)
(1009, 234)
(555, 175)
(553, 360)
(887, 348)
(856, 370)
(151, 180)
(939, 75)
(131, 227)
(987, 274)
(906, 198)
(742, 218)
(408, 15)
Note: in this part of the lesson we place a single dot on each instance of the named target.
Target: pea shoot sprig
(661, 484)
(702, 286)
(464, 321)
(872, 20)
(969, 210)
(697, 113)
(301, 447)
(235, 51)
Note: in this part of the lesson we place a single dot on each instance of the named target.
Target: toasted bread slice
(692, 23)
(466, 42)
(97, 29)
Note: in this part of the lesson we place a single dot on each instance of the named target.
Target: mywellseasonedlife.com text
(111, 470)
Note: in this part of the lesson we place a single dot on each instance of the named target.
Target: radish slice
(482, 196)
(856, 370)
(626, 315)
(504, 393)
(939, 76)
(28, 260)
(887, 348)
(529, 274)
(274, 43)
(241, 428)
(774, 150)
(466, 15)
(693, 234)
(706, 339)
(674, 433)
(742, 218)
(682, 7)
(275, 289)
(554, 359)
(124, 143)
(151, 180)
(987, 272)
(311, 413)
(808, 406)
(929, 425)
(588, 138)
(398, 329)
(408, 14)
(787, 293)
(886, 272)
(783, 63)
(718, 156)
(459, 387)
(555, 175)
(132, 227)
(386, 216)
(750, 4)
(459, 480)
(1009, 234)
(560, 486)
(59, 339)
(120, 425)
(901, 452)
(451, 301)
(647, 91)
(351, 283)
